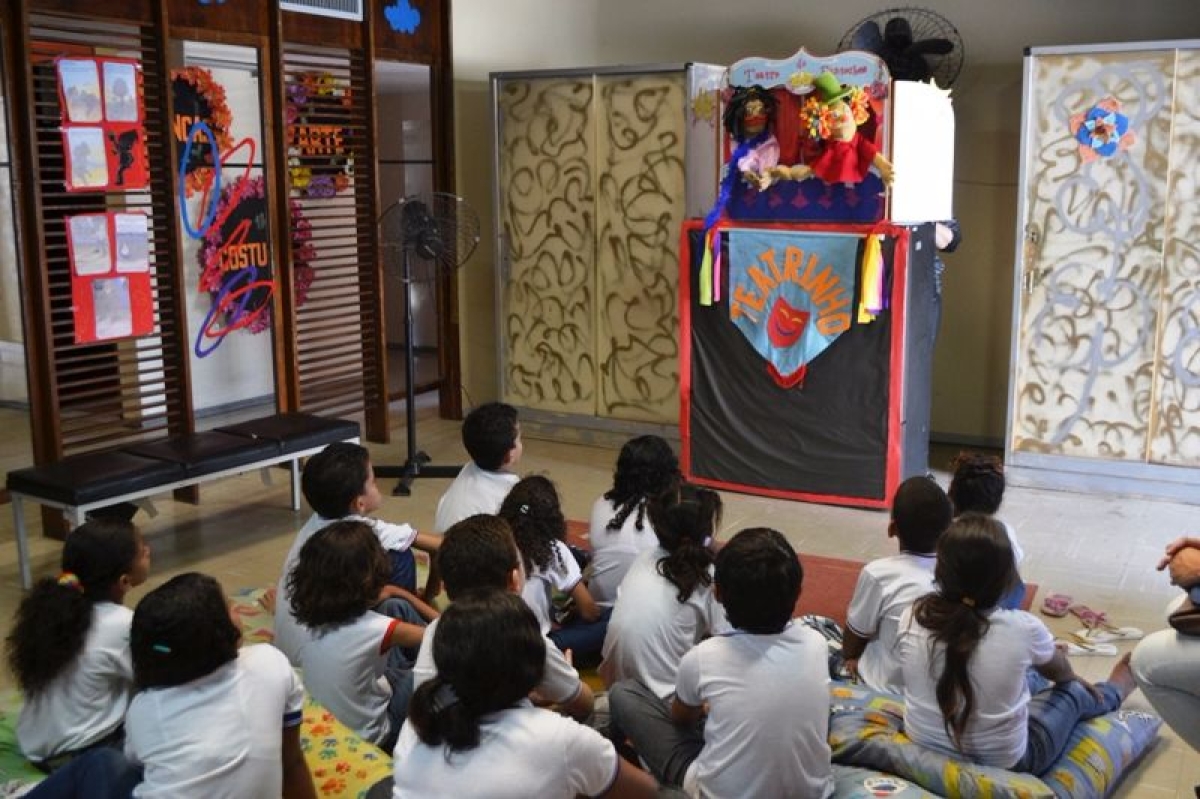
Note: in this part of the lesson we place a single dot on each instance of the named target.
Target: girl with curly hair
(533, 511)
(353, 658)
(977, 486)
(69, 645)
(620, 529)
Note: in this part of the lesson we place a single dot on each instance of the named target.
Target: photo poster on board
(110, 275)
(104, 138)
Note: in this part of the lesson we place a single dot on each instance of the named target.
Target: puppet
(832, 116)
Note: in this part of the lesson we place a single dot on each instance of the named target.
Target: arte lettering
(830, 297)
(318, 139)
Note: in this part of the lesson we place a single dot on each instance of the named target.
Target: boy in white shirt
(479, 552)
(888, 586)
(750, 716)
(339, 484)
(491, 434)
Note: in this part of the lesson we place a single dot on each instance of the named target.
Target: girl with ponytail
(472, 731)
(620, 529)
(665, 605)
(533, 511)
(967, 662)
(69, 645)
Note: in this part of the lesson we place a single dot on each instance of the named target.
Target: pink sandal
(1056, 605)
(1091, 619)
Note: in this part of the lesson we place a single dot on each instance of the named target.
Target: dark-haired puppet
(832, 116)
(749, 120)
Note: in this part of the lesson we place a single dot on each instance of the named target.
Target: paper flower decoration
(320, 163)
(1101, 131)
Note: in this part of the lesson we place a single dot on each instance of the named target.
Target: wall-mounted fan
(422, 236)
(915, 43)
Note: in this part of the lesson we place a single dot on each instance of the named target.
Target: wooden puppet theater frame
(857, 426)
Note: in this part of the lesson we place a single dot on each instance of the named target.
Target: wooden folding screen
(328, 352)
(338, 340)
(99, 394)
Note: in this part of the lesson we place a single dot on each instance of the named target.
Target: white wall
(971, 367)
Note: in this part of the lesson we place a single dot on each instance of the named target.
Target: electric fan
(422, 236)
(915, 43)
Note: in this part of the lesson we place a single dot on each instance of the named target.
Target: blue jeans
(1053, 714)
(399, 668)
(585, 639)
(102, 773)
(404, 569)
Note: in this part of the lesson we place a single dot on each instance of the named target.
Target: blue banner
(791, 294)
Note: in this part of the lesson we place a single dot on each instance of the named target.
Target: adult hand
(1184, 568)
(1176, 546)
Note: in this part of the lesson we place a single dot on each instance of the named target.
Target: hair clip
(523, 510)
(71, 580)
(444, 698)
(966, 600)
(161, 648)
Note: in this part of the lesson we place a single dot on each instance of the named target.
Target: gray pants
(666, 748)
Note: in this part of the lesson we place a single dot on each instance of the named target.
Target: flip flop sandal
(1056, 605)
(1090, 650)
(1103, 635)
(1090, 618)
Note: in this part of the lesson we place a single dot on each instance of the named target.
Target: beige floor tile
(1101, 550)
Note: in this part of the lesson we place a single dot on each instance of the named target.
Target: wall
(971, 366)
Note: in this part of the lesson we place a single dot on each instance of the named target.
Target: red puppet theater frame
(859, 424)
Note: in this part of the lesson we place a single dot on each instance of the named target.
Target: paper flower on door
(1101, 131)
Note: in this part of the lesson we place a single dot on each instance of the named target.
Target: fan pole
(417, 464)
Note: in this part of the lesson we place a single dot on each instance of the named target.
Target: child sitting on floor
(491, 435)
(620, 529)
(665, 605)
(472, 732)
(750, 716)
(533, 512)
(353, 658)
(479, 552)
(977, 486)
(339, 483)
(209, 719)
(888, 586)
(965, 662)
(69, 646)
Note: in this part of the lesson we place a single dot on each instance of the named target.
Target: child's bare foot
(1121, 677)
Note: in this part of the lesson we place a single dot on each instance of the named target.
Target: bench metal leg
(294, 466)
(18, 506)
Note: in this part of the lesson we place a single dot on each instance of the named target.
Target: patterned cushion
(341, 762)
(852, 782)
(865, 729)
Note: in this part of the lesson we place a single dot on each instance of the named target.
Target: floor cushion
(865, 729)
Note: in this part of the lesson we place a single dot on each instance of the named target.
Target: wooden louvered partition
(339, 356)
(110, 392)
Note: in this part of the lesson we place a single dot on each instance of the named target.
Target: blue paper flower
(1102, 130)
(402, 17)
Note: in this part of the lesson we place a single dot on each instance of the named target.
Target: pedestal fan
(421, 237)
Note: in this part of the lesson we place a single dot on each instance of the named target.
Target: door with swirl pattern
(591, 194)
(1107, 344)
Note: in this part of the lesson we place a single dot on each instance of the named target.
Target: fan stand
(418, 462)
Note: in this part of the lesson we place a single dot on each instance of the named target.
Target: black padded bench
(81, 483)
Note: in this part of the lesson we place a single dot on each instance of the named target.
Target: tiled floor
(1101, 550)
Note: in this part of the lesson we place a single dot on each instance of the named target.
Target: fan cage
(925, 24)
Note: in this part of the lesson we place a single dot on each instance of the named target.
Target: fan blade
(867, 37)
(898, 33)
(931, 47)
